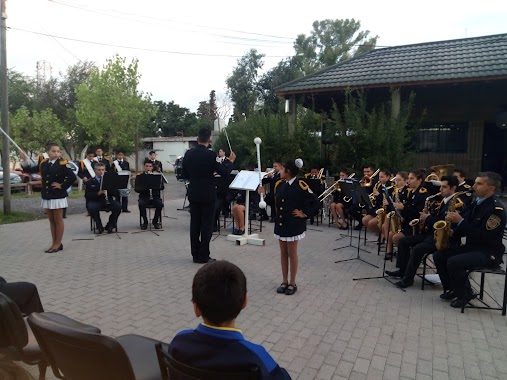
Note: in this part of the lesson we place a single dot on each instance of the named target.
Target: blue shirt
(220, 348)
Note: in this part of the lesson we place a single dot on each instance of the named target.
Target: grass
(16, 217)
(36, 194)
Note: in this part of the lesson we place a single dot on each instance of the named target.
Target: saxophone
(443, 231)
(394, 220)
(416, 224)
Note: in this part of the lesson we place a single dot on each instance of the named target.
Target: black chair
(427, 264)
(175, 370)
(17, 341)
(482, 291)
(93, 225)
(82, 355)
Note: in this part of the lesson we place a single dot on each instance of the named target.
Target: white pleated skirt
(54, 204)
(290, 238)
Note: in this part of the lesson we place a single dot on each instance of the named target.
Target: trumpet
(367, 181)
(268, 173)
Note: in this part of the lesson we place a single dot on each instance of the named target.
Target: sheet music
(245, 180)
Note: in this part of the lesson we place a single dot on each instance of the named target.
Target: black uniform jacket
(467, 197)
(414, 204)
(60, 172)
(92, 188)
(83, 171)
(483, 226)
(199, 166)
(440, 212)
(287, 198)
(124, 165)
(105, 161)
(142, 189)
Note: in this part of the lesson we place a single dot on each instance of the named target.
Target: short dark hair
(315, 167)
(451, 180)
(290, 166)
(345, 170)
(371, 166)
(99, 164)
(219, 291)
(494, 179)
(97, 148)
(204, 135)
(50, 145)
(419, 174)
(120, 151)
(461, 172)
(89, 151)
(152, 151)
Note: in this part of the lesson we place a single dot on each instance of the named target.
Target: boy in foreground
(219, 294)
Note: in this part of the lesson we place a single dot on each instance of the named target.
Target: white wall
(169, 151)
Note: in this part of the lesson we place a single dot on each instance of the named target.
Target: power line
(101, 12)
(135, 48)
(60, 44)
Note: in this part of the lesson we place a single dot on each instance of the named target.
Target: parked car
(29, 177)
(14, 177)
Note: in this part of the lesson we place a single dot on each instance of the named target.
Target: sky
(215, 34)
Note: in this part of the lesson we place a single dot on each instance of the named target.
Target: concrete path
(332, 328)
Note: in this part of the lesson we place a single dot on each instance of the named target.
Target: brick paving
(332, 328)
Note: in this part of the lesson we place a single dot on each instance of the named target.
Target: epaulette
(308, 175)
(377, 185)
(423, 190)
(467, 186)
(303, 185)
(64, 162)
(139, 173)
(499, 208)
(277, 183)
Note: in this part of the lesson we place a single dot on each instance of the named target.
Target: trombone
(331, 189)
(367, 181)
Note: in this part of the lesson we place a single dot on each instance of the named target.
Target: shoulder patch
(493, 222)
(423, 190)
(64, 162)
(499, 208)
(303, 185)
(467, 186)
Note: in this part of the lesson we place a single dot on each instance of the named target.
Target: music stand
(384, 276)
(147, 182)
(185, 208)
(248, 181)
(113, 181)
(353, 189)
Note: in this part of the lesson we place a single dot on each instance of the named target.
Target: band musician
(157, 165)
(340, 205)
(463, 186)
(356, 210)
(399, 194)
(317, 184)
(377, 201)
(409, 210)
(424, 241)
(101, 200)
(272, 178)
(119, 164)
(99, 155)
(85, 171)
(482, 224)
(149, 198)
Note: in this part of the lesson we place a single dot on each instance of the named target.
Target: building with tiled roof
(460, 84)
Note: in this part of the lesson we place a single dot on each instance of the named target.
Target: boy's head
(219, 292)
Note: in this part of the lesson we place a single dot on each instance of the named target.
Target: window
(441, 138)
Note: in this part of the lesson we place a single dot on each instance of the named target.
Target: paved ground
(332, 328)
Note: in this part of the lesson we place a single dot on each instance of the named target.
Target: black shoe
(238, 232)
(291, 289)
(127, 211)
(404, 283)
(110, 229)
(100, 230)
(210, 260)
(156, 225)
(394, 273)
(458, 303)
(282, 288)
(144, 226)
(448, 295)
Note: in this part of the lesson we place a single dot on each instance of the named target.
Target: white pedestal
(246, 239)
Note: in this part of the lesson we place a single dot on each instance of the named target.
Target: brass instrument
(321, 172)
(331, 189)
(440, 170)
(393, 216)
(381, 217)
(416, 224)
(367, 181)
(443, 231)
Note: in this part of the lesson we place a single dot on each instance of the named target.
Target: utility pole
(4, 110)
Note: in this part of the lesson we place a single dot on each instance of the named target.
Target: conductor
(199, 165)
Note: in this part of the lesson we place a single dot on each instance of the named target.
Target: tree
(330, 42)
(34, 130)
(109, 105)
(21, 91)
(242, 84)
(171, 119)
